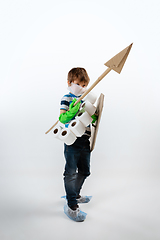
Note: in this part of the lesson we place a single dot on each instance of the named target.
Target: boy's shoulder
(69, 96)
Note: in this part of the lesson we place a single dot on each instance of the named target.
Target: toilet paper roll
(67, 136)
(89, 107)
(77, 127)
(57, 131)
(62, 125)
(85, 118)
(91, 97)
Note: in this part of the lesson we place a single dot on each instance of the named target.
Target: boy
(77, 155)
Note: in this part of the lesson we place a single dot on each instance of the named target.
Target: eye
(77, 83)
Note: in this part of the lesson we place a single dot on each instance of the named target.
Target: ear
(69, 84)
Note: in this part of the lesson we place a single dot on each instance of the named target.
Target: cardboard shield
(95, 126)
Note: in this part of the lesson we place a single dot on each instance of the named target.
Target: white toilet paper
(89, 107)
(77, 127)
(91, 97)
(62, 125)
(67, 136)
(57, 131)
(85, 118)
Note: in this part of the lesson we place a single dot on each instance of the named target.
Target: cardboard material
(116, 63)
(95, 128)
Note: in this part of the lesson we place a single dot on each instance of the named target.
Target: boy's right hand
(68, 115)
(74, 109)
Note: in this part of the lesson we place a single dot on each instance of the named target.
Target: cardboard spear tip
(117, 62)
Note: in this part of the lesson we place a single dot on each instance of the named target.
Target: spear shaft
(86, 92)
(116, 63)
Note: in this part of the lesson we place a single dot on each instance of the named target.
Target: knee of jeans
(85, 174)
(70, 176)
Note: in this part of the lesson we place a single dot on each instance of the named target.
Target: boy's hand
(94, 118)
(74, 109)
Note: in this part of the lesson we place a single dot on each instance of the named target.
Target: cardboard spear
(116, 63)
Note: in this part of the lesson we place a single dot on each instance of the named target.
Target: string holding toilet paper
(116, 63)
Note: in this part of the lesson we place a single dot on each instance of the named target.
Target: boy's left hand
(95, 117)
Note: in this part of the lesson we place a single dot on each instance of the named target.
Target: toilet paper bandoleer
(77, 155)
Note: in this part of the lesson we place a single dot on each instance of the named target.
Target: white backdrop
(40, 42)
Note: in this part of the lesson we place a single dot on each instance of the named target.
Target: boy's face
(77, 81)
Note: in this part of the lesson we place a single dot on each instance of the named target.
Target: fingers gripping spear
(116, 63)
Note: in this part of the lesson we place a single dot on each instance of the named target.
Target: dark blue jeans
(77, 167)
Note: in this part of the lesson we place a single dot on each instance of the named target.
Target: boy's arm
(66, 116)
(93, 116)
(62, 111)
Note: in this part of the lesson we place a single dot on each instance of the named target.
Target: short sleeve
(65, 101)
